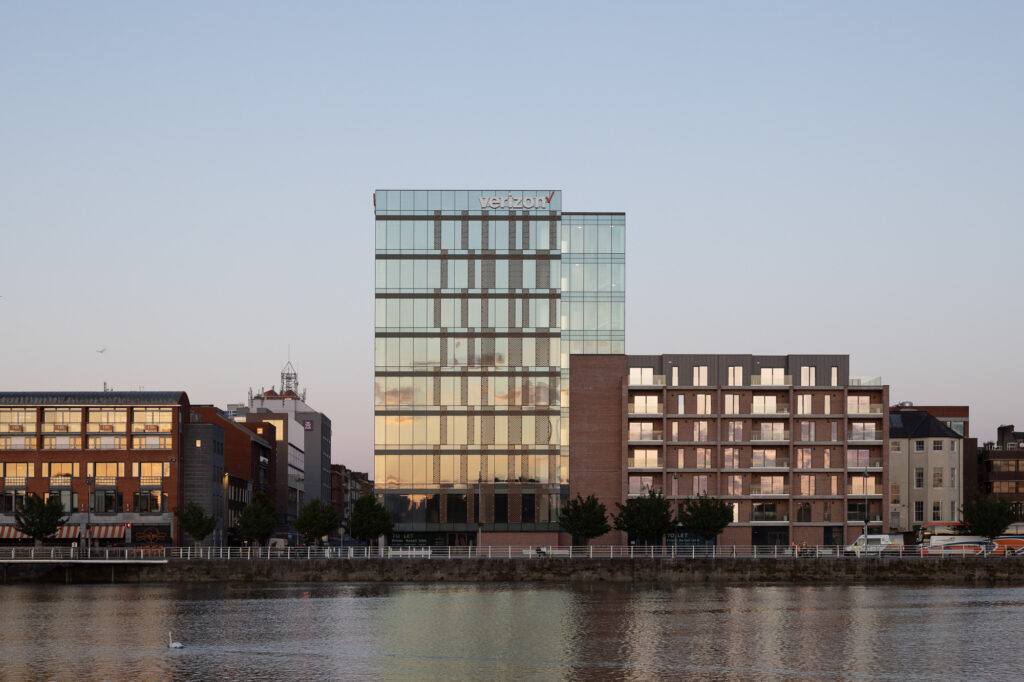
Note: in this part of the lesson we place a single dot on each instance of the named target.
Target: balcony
(865, 437)
(870, 382)
(644, 435)
(766, 437)
(757, 489)
(771, 464)
(758, 380)
(644, 491)
(14, 482)
(60, 482)
(871, 464)
(871, 492)
(644, 409)
(871, 410)
(768, 516)
(860, 517)
(105, 482)
(644, 463)
(780, 411)
(656, 380)
(150, 481)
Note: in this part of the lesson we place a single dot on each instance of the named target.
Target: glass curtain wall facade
(480, 298)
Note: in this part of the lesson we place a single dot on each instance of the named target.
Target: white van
(876, 544)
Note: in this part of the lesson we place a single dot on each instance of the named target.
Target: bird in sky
(102, 350)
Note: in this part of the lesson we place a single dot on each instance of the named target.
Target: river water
(523, 632)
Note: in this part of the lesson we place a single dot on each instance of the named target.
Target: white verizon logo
(512, 201)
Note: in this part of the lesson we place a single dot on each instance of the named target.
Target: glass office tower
(481, 297)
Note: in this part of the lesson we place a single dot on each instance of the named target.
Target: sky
(189, 185)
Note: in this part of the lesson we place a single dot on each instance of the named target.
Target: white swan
(172, 644)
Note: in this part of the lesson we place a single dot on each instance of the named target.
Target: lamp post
(90, 482)
(866, 507)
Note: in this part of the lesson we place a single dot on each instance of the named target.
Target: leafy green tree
(369, 520)
(316, 520)
(987, 516)
(705, 516)
(646, 518)
(194, 521)
(38, 519)
(257, 521)
(584, 519)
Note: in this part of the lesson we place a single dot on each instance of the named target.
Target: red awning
(111, 532)
(9, 533)
(66, 533)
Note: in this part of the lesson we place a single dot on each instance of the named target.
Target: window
(703, 403)
(937, 445)
(150, 501)
(835, 376)
(803, 404)
(675, 431)
(808, 376)
(700, 485)
(773, 431)
(952, 477)
(643, 431)
(732, 403)
(734, 431)
(918, 446)
(107, 442)
(895, 446)
(828, 512)
(937, 477)
(18, 470)
(62, 442)
(641, 376)
(834, 485)
(803, 512)
(700, 431)
(952, 446)
(894, 495)
(763, 404)
(803, 458)
(17, 442)
(675, 376)
(773, 376)
(645, 458)
(150, 469)
(68, 499)
(894, 521)
(765, 458)
(806, 484)
(730, 459)
(769, 485)
(919, 477)
(835, 431)
(736, 375)
(830, 461)
(152, 419)
(105, 502)
(952, 510)
(107, 420)
(18, 420)
(700, 375)
(106, 469)
(828, 404)
(734, 485)
(62, 420)
(642, 404)
(863, 431)
(54, 469)
(640, 485)
(154, 443)
(918, 512)
(807, 431)
(858, 404)
(703, 458)
(936, 511)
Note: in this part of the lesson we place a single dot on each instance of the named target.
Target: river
(523, 632)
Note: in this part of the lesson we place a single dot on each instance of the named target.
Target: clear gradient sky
(189, 184)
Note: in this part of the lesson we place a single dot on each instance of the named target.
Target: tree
(705, 516)
(584, 518)
(195, 522)
(316, 520)
(646, 518)
(257, 521)
(369, 520)
(38, 519)
(987, 516)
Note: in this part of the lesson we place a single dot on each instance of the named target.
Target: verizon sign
(515, 201)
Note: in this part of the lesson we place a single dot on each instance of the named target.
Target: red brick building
(113, 458)
(792, 442)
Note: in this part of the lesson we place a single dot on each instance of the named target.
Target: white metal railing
(682, 552)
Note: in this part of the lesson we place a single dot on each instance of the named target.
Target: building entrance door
(770, 535)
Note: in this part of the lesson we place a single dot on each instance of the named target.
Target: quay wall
(937, 571)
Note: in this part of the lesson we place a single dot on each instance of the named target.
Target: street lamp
(866, 506)
(90, 482)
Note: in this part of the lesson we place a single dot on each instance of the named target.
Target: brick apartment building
(115, 459)
(347, 486)
(1001, 467)
(792, 442)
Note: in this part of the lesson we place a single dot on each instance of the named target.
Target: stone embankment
(936, 571)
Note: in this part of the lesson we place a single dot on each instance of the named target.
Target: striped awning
(110, 532)
(9, 533)
(66, 533)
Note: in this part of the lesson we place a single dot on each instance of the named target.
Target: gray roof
(909, 423)
(92, 397)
